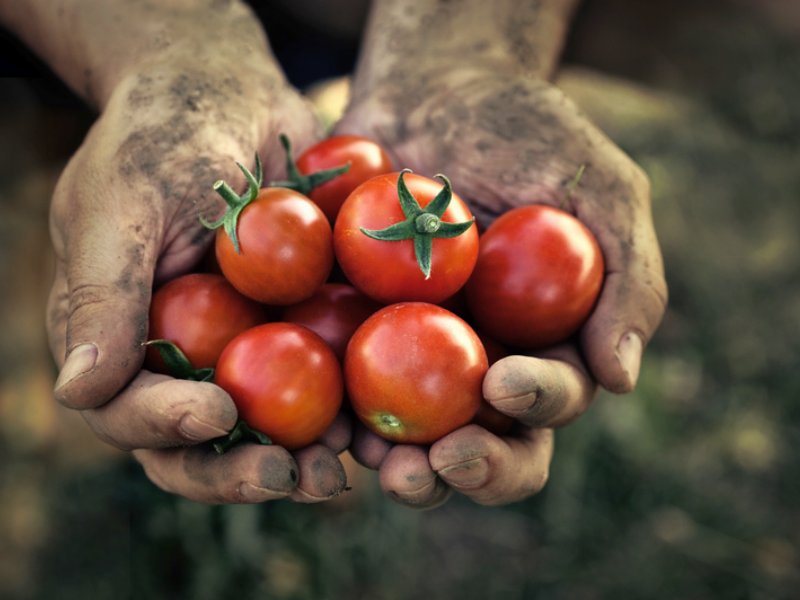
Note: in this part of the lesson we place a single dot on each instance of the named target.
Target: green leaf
(240, 434)
(393, 233)
(304, 183)
(236, 203)
(451, 230)
(439, 204)
(423, 247)
(409, 204)
(177, 364)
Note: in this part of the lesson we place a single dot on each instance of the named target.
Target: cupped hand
(506, 141)
(126, 215)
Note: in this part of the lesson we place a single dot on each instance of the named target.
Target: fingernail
(196, 430)
(81, 360)
(629, 355)
(249, 492)
(467, 475)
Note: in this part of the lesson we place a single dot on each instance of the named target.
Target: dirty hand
(506, 137)
(177, 109)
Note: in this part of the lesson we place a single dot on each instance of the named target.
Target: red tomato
(200, 313)
(538, 275)
(333, 313)
(414, 372)
(285, 381)
(365, 157)
(286, 250)
(389, 271)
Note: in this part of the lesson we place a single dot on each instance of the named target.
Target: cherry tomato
(392, 271)
(285, 381)
(333, 313)
(414, 372)
(365, 157)
(538, 275)
(285, 248)
(200, 313)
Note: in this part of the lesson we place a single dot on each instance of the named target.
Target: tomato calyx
(236, 203)
(304, 183)
(178, 364)
(422, 224)
(239, 434)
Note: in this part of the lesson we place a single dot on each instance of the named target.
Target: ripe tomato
(286, 251)
(538, 275)
(285, 381)
(273, 244)
(414, 372)
(333, 313)
(200, 313)
(365, 157)
(394, 270)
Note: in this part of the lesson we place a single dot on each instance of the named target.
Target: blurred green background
(688, 488)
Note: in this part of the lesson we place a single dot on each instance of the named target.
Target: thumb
(98, 310)
(631, 304)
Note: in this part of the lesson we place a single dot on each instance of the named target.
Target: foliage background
(687, 488)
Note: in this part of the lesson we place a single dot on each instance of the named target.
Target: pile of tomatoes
(352, 283)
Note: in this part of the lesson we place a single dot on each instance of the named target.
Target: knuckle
(87, 295)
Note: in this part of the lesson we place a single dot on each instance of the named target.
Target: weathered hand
(506, 141)
(126, 215)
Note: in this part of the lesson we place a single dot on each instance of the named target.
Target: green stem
(421, 225)
(239, 434)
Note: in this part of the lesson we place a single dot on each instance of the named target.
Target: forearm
(433, 35)
(94, 44)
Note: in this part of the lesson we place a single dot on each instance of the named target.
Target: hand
(506, 140)
(125, 215)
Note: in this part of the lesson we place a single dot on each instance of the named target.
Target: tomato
(538, 276)
(429, 268)
(273, 244)
(365, 157)
(414, 372)
(333, 313)
(285, 381)
(200, 313)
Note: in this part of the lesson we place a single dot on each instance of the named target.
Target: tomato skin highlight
(388, 271)
(285, 381)
(414, 372)
(538, 276)
(366, 158)
(334, 313)
(200, 313)
(286, 248)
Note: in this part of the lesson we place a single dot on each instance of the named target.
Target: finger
(633, 298)
(105, 279)
(550, 390)
(247, 473)
(492, 470)
(321, 475)
(338, 436)
(368, 449)
(406, 476)
(157, 411)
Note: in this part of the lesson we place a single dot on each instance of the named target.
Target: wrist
(430, 38)
(95, 45)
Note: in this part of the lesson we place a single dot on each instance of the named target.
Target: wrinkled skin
(507, 140)
(125, 214)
